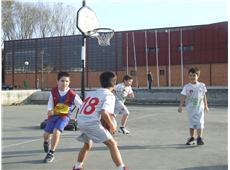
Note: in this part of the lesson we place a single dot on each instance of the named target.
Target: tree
(24, 20)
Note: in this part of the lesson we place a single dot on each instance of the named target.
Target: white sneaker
(123, 130)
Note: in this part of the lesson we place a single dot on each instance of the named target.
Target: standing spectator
(150, 79)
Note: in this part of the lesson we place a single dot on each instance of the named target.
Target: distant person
(98, 105)
(60, 104)
(193, 94)
(150, 80)
(122, 91)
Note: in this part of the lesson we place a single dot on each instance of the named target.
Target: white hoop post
(135, 59)
(169, 54)
(127, 53)
(146, 56)
(158, 82)
(181, 58)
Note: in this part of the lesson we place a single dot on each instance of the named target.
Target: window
(153, 50)
(162, 72)
(186, 47)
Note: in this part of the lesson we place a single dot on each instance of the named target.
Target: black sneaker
(49, 158)
(46, 147)
(191, 141)
(123, 130)
(200, 141)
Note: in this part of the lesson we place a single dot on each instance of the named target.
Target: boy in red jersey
(61, 101)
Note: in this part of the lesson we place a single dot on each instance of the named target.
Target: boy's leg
(124, 120)
(191, 140)
(192, 132)
(55, 139)
(82, 155)
(199, 132)
(125, 114)
(46, 137)
(199, 136)
(114, 151)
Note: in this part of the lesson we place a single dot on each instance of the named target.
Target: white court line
(30, 141)
(16, 144)
(142, 117)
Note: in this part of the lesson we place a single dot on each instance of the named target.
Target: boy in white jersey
(98, 104)
(193, 94)
(122, 91)
(60, 105)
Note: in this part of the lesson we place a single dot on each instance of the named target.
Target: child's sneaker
(200, 141)
(125, 168)
(123, 130)
(46, 147)
(191, 141)
(77, 168)
(49, 158)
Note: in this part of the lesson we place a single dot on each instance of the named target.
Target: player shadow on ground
(96, 148)
(25, 162)
(215, 167)
(31, 153)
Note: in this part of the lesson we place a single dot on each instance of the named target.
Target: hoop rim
(96, 30)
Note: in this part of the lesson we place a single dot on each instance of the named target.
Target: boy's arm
(50, 105)
(206, 103)
(182, 100)
(106, 117)
(131, 95)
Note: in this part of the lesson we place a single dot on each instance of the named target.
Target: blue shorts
(57, 122)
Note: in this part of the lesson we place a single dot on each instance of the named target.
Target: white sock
(78, 165)
(121, 167)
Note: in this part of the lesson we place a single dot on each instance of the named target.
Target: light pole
(26, 70)
(42, 55)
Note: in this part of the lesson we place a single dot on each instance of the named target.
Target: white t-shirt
(194, 101)
(122, 91)
(94, 102)
(77, 100)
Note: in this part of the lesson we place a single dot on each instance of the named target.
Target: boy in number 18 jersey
(98, 104)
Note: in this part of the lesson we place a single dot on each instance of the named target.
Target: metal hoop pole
(83, 54)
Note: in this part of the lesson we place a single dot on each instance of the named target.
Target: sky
(124, 15)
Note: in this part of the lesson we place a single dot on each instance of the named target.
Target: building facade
(167, 52)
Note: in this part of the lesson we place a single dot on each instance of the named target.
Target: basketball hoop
(103, 35)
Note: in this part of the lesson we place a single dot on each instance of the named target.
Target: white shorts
(120, 108)
(196, 121)
(93, 131)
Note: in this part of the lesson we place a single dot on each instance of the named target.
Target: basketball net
(103, 35)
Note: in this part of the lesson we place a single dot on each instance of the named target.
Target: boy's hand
(112, 129)
(179, 109)
(50, 113)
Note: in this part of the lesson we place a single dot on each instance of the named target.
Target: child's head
(108, 79)
(63, 80)
(128, 80)
(193, 74)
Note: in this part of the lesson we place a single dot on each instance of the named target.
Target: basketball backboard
(86, 20)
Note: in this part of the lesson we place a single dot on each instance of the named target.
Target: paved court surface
(156, 141)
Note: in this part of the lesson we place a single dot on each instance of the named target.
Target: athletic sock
(120, 167)
(78, 165)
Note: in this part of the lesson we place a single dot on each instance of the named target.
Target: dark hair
(127, 77)
(108, 79)
(194, 70)
(62, 74)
